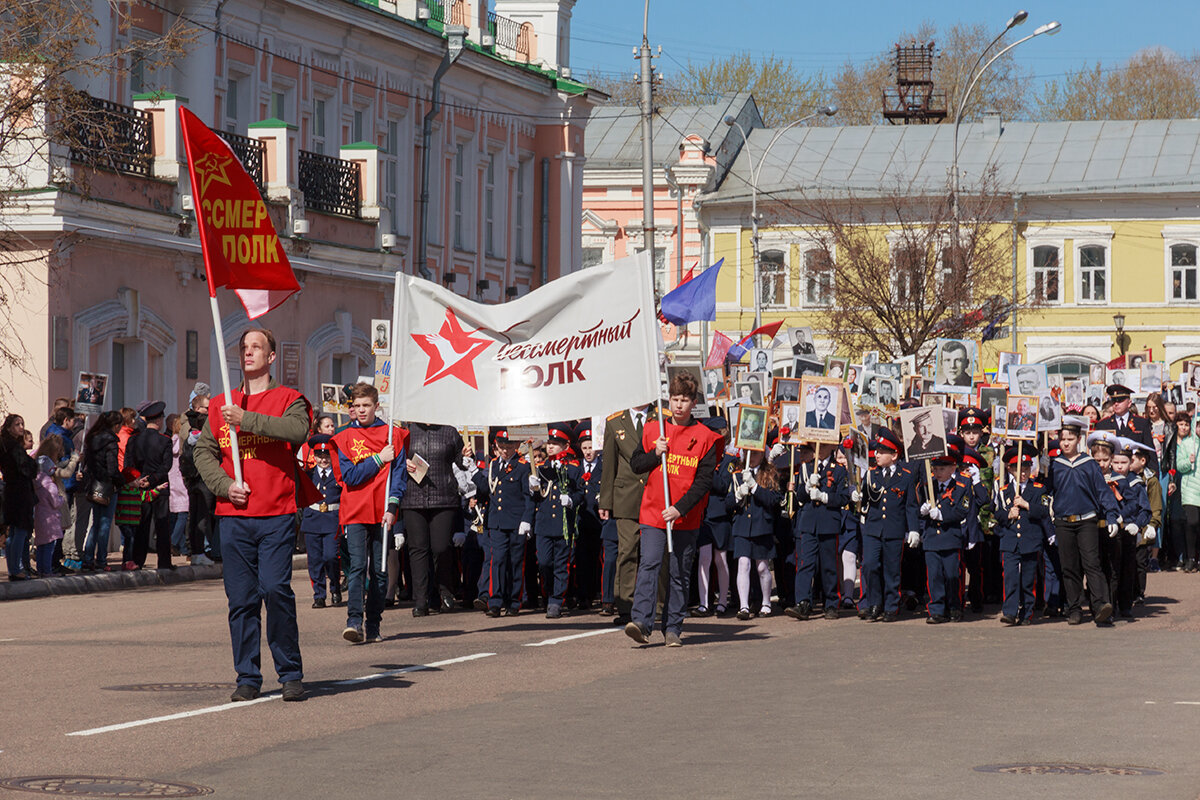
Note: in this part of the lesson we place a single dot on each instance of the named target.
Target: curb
(117, 580)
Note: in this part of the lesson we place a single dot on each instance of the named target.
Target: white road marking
(7, 640)
(268, 697)
(415, 668)
(558, 639)
(1187, 702)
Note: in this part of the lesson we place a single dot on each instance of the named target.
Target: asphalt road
(459, 705)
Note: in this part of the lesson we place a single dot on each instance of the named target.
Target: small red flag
(720, 346)
(769, 330)
(241, 248)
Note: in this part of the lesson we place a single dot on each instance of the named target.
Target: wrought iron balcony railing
(109, 135)
(251, 152)
(330, 184)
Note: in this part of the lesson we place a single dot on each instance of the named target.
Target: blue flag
(694, 300)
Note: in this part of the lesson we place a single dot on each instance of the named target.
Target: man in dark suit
(1128, 424)
(820, 417)
(150, 454)
(621, 497)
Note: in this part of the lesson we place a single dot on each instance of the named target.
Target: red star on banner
(451, 351)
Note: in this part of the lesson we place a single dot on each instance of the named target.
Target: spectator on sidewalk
(177, 500)
(48, 513)
(150, 454)
(201, 501)
(19, 471)
(99, 468)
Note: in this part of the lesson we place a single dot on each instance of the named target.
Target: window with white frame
(279, 104)
(660, 270)
(358, 126)
(772, 276)
(137, 72)
(592, 256)
(1047, 273)
(521, 206)
(818, 278)
(489, 206)
(459, 197)
(233, 103)
(1093, 273)
(908, 264)
(319, 123)
(1183, 272)
(390, 173)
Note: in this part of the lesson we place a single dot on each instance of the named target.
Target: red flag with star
(451, 352)
(241, 248)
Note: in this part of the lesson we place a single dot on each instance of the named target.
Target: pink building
(325, 104)
(693, 149)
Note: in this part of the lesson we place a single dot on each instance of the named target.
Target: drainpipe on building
(455, 39)
(545, 221)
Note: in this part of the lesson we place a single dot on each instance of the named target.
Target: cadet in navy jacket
(944, 534)
(1021, 507)
(508, 517)
(890, 493)
(556, 489)
(716, 532)
(817, 531)
(319, 522)
(754, 506)
(1134, 505)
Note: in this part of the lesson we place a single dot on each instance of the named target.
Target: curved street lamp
(755, 171)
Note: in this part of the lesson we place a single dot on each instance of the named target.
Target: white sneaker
(201, 560)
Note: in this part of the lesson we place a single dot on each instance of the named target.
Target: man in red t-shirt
(256, 517)
(692, 451)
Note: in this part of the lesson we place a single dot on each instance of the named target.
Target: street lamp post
(1122, 336)
(755, 171)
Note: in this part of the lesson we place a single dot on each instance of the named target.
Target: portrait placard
(924, 433)
(954, 366)
(751, 428)
(1021, 414)
(785, 390)
(89, 392)
(822, 399)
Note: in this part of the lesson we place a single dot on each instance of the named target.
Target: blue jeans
(45, 559)
(365, 563)
(178, 523)
(16, 551)
(645, 593)
(257, 556)
(95, 547)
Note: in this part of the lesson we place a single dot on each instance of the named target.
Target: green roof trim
(155, 96)
(361, 146)
(273, 122)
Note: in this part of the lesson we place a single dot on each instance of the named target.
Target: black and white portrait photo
(749, 392)
(954, 366)
(761, 360)
(381, 337)
(751, 428)
(802, 341)
(786, 390)
(924, 433)
(1027, 378)
(802, 366)
(822, 398)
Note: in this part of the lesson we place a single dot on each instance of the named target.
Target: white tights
(706, 560)
(849, 571)
(764, 581)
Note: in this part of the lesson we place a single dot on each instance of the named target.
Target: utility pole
(647, 101)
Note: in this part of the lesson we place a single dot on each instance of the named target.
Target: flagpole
(391, 412)
(224, 359)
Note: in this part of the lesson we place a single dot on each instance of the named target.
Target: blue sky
(824, 35)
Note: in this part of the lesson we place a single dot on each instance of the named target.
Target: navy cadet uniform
(890, 494)
(589, 554)
(504, 488)
(1134, 505)
(943, 537)
(981, 505)
(1129, 425)
(319, 524)
(717, 527)
(1079, 495)
(1051, 577)
(817, 530)
(1021, 537)
(753, 510)
(559, 491)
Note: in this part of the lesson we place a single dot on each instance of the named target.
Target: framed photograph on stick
(924, 433)
(835, 368)
(786, 390)
(955, 365)
(748, 392)
(1021, 417)
(751, 428)
(822, 398)
(1049, 416)
(789, 418)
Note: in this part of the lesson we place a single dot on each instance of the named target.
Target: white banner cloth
(580, 346)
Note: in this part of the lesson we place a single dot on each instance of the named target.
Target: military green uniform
(621, 495)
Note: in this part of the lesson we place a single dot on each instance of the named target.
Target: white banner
(580, 346)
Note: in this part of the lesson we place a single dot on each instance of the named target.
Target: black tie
(638, 423)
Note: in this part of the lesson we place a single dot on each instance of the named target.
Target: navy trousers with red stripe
(506, 573)
(1020, 583)
(943, 569)
(881, 573)
(813, 552)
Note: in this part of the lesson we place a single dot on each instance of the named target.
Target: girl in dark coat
(755, 501)
(100, 450)
(19, 471)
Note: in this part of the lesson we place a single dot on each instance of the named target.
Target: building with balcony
(1104, 222)
(325, 102)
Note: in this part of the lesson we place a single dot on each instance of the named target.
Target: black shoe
(800, 611)
(1104, 614)
(293, 691)
(1008, 620)
(621, 619)
(335, 598)
(865, 612)
(701, 611)
(638, 632)
(956, 615)
(243, 693)
(420, 611)
(1075, 618)
(319, 603)
(607, 610)
(553, 612)
(512, 611)
(935, 619)
(480, 604)
(889, 616)
(391, 603)
(876, 613)
(744, 614)
(493, 612)
(831, 612)
(447, 603)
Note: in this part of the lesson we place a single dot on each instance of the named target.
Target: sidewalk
(117, 580)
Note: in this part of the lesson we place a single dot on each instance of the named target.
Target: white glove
(823, 497)
(459, 539)
(975, 476)
(812, 480)
(1120, 520)
(1053, 540)
(776, 451)
(855, 496)
(1149, 535)
(742, 491)
(924, 509)
(935, 513)
(524, 529)
(971, 545)
(466, 487)
(814, 493)
(468, 463)
(535, 482)
(914, 538)
(564, 499)
(751, 483)
(398, 540)
(1113, 530)
(1131, 529)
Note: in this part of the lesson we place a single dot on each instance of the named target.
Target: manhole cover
(168, 687)
(101, 786)
(1065, 769)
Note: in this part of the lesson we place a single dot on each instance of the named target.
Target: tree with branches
(1153, 84)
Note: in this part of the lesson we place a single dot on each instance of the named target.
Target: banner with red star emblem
(583, 345)
(240, 245)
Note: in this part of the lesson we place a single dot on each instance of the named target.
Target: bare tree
(48, 50)
(1153, 84)
(886, 274)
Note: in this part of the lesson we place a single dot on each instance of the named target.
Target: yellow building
(1106, 215)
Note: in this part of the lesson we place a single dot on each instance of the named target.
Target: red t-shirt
(687, 445)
